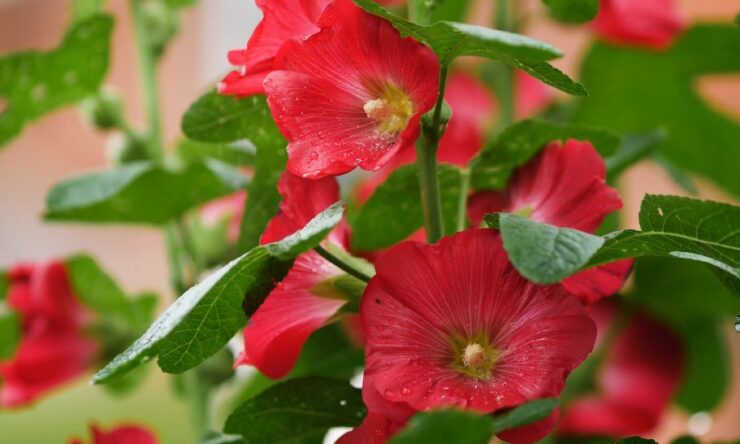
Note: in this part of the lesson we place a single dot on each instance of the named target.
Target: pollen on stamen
(377, 109)
(474, 356)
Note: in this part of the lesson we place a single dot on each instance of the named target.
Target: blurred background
(63, 144)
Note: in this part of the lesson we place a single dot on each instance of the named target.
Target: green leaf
(84, 9)
(208, 315)
(680, 227)
(451, 39)
(636, 440)
(124, 194)
(224, 119)
(10, 331)
(494, 165)
(451, 10)
(679, 290)
(446, 426)
(708, 370)
(236, 153)
(633, 148)
(528, 413)
(4, 284)
(639, 90)
(573, 11)
(395, 206)
(543, 253)
(99, 292)
(35, 83)
(297, 411)
(686, 439)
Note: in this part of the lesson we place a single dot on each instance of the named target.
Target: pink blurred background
(63, 144)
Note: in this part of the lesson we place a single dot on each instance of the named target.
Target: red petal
(465, 286)
(532, 96)
(375, 429)
(238, 84)
(532, 432)
(291, 313)
(595, 283)
(318, 97)
(125, 434)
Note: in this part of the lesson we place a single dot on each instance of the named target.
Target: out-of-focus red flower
(230, 208)
(351, 95)
(299, 305)
(454, 325)
(634, 384)
(532, 96)
(283, 20)
(654, 24)
(563, 186)
(122, 434)
(53, 349)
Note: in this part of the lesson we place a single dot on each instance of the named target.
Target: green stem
(175, 258)
(349, 269)
(198, 401)
(426, 163)
(148, 68)
(462, 202)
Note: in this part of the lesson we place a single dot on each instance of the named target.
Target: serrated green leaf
(543, 253)
(124, 194)
(447, 426)
(297, 411)
(451, 39)
(638, 90)
(632, 149)
(10, 332)
(528, 413)
(573, 11)
(680, 227)
(224, 119)
(35, 83)
(207, 316)
(395, 205)
(494, 165)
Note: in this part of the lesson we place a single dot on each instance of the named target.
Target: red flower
(123, 434)
(52, 350)
(563, 186)
(351, 95)
(283, 20)
(654, 23)
(635, 383)
(298, 306)
(454, 325)
(375, 429)
(229, 208)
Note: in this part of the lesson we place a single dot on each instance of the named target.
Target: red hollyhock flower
(123, 434)
(454, 325)
(229, 208)
(654, 24)
(375, 429)
(634, 385)
(297, 307)
(52, 350)
(283, 20)
(563, 186)
(351, 95)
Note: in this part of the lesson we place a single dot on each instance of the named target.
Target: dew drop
(342, 402)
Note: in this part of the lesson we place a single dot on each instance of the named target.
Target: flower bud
(104, 110)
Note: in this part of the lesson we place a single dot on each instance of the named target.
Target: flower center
(391, 111)
(474, 357)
